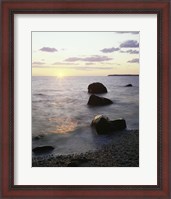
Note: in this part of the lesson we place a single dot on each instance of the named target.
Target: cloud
(109, 50)
(38, 63)
(127, 32)
(54, 65)
(89, 63)
(73, 59)
(130, 51)
(63, 63)
(95, 58)
(48, 49)
(93, 68)
(110, 63)
(77, 67)
(129, 44)
(136, 60)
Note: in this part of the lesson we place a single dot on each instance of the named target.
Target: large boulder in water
(43, 149)
(103, 125)
(95, 100)
(97, 88)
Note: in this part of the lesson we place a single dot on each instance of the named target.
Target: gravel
(121, 152)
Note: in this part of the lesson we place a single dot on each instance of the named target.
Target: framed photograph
(85, 99)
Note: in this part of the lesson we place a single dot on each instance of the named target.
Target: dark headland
(123, 75)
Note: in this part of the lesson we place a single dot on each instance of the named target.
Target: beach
(122, 151)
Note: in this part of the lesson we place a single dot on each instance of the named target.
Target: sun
(60, 75)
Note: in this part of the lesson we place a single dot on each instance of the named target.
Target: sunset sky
(85, 53)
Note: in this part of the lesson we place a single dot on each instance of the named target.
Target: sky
(85, 53)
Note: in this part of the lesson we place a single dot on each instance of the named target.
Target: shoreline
(121, 152)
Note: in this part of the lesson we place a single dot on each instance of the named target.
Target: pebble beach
(123, 151)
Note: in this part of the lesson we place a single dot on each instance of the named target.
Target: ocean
(61, 117)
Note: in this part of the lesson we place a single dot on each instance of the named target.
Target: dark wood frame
(11, 7)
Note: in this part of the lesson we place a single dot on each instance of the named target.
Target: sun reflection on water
(63, 125)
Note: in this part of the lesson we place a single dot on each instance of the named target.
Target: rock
(103, 125)
(128, 85)
(97, 118)
(73, 164)
(94, 100)
(97, 88)
(78, 162)
(43, 149)
(38, 137)
(117, 125)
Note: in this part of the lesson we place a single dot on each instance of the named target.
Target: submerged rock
(43, 149)
(38, 137)
(129, 85)
(103, 125)
(95, 100)
(97, 88)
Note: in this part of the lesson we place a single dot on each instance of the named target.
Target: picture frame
(9, 9)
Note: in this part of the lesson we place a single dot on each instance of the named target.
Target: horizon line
(86, 75)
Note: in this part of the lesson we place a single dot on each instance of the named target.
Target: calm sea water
(62, 118)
